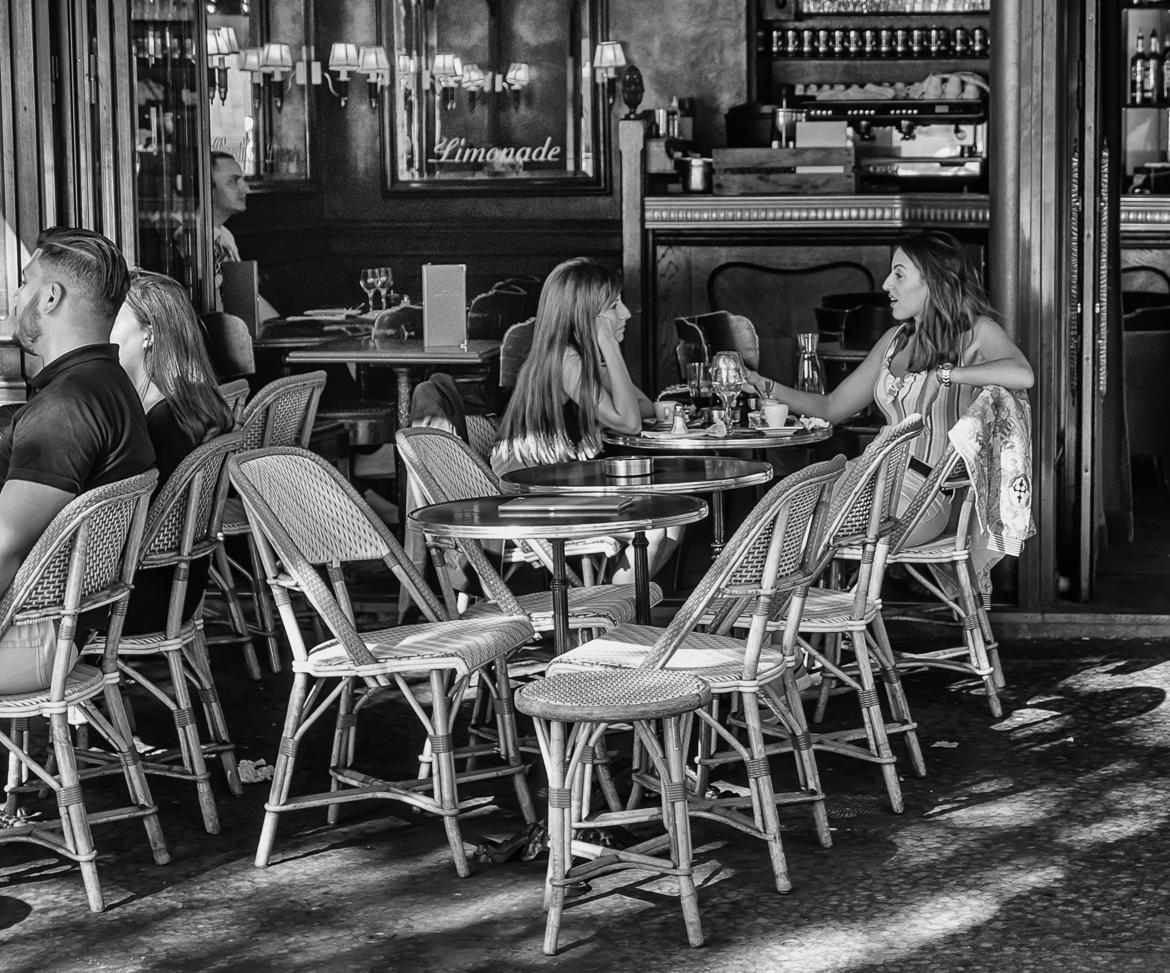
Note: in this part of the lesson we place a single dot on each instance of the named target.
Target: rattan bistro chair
(306, 518)
(852, 619)
(765, 558)
(85, 560)
(181, 529)
(280, 414)
(978, 655)
(571, 713)
(235, 393)
(446, 469)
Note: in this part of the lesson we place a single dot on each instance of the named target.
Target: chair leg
(343, 734)
(223, 578)
(559, 835)
(74, 820)
(509, 743)
(875, 725)
(974, 622)
(896, 691)
(263, 605)
(188, 731)
(803, 752)
(444, 765)
(759, 773)
(282, 770)
(679, 825)
(217, 728)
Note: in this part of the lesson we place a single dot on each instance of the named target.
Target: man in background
(83, 426)
(229, 196)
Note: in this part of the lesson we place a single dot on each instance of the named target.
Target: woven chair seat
(828, 610)
(941, 550)
(717, 659)
(613, 695)
(463, 646)
(603, 606)
(141, 644)
(83, 682)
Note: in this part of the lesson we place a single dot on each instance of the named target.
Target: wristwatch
(944, 373)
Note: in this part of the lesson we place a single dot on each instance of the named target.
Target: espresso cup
(775, 413)
(664, 410)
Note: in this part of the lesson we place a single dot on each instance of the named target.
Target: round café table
(479, 519)
(670, 474)
(737, 439)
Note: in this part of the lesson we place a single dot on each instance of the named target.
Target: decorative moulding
(1145, 217)
(817, 212)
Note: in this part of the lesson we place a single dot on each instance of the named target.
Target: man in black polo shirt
(83, 426)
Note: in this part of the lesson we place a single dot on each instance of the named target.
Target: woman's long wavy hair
(574, 294)
(956, 300)
(176, 360)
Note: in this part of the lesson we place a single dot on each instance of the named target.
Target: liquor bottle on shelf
(1152, 76)
(1137, 71)
(1165, 92)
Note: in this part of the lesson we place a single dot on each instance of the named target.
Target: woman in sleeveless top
(575, 382)
(944, 349)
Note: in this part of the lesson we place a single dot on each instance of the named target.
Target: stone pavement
(1037, 842)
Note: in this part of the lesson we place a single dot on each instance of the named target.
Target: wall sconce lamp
(517, 78)
(217, 52)
(249, 61)
(343, 58)
(275, 61)
(475, 82)
(608, 59)
(448, 74)
(375, 65)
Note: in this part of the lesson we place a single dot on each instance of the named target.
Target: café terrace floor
(1037, 842)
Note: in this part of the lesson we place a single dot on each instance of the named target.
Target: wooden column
(637, 277)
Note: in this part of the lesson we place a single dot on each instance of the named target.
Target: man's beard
(28, 327)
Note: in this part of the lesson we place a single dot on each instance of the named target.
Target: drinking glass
(369, 283)
(727, 377)
(384, 277)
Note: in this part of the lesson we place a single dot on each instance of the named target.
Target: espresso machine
(907, 156)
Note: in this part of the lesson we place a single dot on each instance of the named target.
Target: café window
(495, 96)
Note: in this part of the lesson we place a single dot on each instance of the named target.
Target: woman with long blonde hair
(575, 383)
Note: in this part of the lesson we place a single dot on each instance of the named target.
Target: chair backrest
(1147, 392)
(723, 331)
(530, 284)
(446, 468)
(403, 321)
(85, 559)
(481, 435)
(863, 501)
(1153, 317)
(304, 515)
(692, 345)
(514, 349)
(185, 515)
(940, 474)
(229, 344)
(235, 393)
(766, 555)
(282, 413)
(491, 313)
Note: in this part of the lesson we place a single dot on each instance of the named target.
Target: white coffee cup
(664, 410)
(775, 413)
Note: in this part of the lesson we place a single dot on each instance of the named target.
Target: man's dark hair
(88, 261)
(217, 156)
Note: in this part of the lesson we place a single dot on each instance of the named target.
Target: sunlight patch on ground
(1135, 809)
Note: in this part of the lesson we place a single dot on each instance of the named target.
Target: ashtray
(628, 466)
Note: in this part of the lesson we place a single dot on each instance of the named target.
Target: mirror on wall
(495, 96)
(261, 68)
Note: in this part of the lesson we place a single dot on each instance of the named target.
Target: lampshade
(343, 58)
(250, 59)
(609, 56)
(276, 59)
(448, 68)
(518, 74)
(373, 60)
(231, 43)
(473, 76)
(406, 64)
(215, 44)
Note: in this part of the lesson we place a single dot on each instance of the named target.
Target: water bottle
(810, 372)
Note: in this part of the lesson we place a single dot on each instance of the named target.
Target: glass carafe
(810, 372)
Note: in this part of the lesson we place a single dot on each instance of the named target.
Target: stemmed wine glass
(369, 283)
(384, 277)
(727, 377)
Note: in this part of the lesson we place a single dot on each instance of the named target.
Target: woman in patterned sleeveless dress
(574, 383)
(944, 349)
